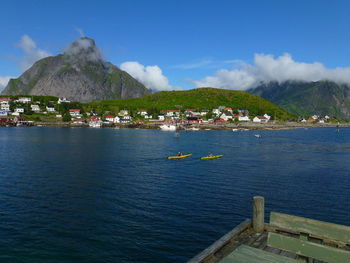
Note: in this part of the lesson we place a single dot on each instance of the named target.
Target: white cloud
(32, 53)
(268, 68)
(150, 76)
(3, 81)
(85, 46)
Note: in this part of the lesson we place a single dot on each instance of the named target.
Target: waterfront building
(74, 112)
(50, 109)
(24, 100)
(35, 108)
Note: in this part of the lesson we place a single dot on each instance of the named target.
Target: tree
(66, 117)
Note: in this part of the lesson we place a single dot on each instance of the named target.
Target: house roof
(109, 117)
(261, 117)
(74, 110)
(173, 110)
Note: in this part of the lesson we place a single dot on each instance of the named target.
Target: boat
(193, 129)
(234, 130)
(257, 135)
(211, 157)
(167, 127)
(180, 156)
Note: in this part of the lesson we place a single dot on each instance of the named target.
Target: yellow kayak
(180, 157)
(211, 157)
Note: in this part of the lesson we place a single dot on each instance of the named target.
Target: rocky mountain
(79, 74)
(308, 98)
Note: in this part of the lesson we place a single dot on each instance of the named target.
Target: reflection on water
(107, 195)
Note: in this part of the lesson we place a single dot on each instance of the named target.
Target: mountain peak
(84, 48)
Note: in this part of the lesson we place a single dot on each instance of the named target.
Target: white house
(5, 106)
(62, 100)
(19, 110)
(15, 113)
(216, 111)
(243, 118)
(50, 109)
(24, 100)
(268, 117)
(35, 108)
(204, 112)
(172, 113)
(74, 112)
(116, 119)
(321, 121)
(161, 117)
(148, 116)
(226, 116)
(142, 113)
(303, 120)
(260, 119)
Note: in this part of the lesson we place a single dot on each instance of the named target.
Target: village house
(142, 113)
(303, 120)
(204, 112)
(74, 112)
(123, 113)
(63, 100)
(19, 110)
(125, 119)
(148, 116)
(110, 118)
(268, 117)
(189, 112)
(221, 108)
(260, 119)
(35, 108)
(172, 113)
(216, 112)
(243, 112)
(5, 106)
(24, 100)
(226, 116)
(15, 113)
(243, 118)
(3, 113)
(50, 109)
(192, 120)
(7, 99)
(161, 117)
(228, 109)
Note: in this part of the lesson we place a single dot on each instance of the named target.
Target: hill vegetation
(200, 99)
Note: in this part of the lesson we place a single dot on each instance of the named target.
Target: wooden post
(258, 214)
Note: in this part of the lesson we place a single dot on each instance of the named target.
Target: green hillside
(308, 98)
(202, 98)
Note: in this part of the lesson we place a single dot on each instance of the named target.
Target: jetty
(285, 239)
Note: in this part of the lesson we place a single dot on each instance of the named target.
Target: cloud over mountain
(267, 68)
(31, 52)
(150, 76)
(3, 81)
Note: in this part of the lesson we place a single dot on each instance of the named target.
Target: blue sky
(193, 43)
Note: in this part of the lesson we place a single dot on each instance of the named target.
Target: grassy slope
(203, 98)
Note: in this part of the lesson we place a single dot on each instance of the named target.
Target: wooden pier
(285, 239)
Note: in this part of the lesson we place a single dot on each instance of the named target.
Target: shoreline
(206, 126)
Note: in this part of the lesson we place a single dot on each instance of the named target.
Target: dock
(285, 239)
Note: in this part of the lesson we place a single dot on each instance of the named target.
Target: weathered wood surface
(308, 249)
(323, 230)
(221, 242)
(258, 214)
(246, 254)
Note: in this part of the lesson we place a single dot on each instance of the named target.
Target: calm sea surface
(108, 195)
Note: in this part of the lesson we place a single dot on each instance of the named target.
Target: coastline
(207, 126)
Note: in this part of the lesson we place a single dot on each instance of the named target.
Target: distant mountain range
(80, 74)
(308, 98)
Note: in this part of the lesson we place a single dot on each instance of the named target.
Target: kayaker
(179, 154)
(210, 155)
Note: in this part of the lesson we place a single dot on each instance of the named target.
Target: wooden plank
(246, 254)
(221, 242)
(314, 227)
(308, 249)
